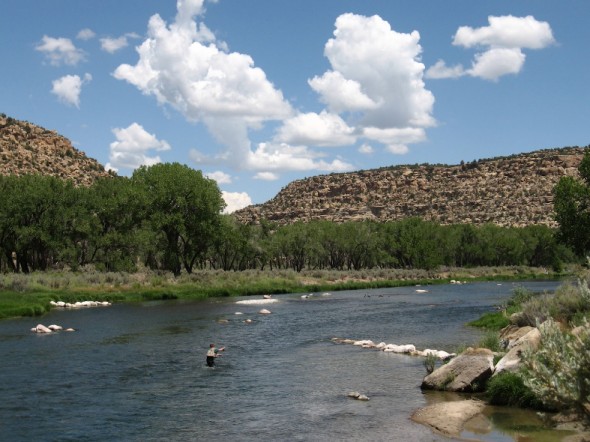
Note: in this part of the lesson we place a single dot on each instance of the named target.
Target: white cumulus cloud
(323, 129)
(60, 51)
(112, 45)
(131, 148)
(266, 176)
(69, 87)
(220, 177)
(235, 201)
(86, 34)
(375, 81)
(183, 66)
(503, 42)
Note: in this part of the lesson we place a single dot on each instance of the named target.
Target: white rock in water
(42, 329)
(55, 327)
(406, 348)
(358, 396)
(257, 301)
(264, 312)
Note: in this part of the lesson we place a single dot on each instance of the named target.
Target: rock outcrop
(507, 191)
(26, 149)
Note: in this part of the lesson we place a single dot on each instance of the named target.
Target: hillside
(507, 191)
(26, 148)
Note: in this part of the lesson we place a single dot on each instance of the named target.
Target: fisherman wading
(212, 353)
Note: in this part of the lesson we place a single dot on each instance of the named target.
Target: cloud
(220, 177)
(324, 129)
(112, 45)
(497, 62)
(130, 149)
(69, 87)
(375, 81)
(283, 157)
(441, 70)
(341, 94)
(395, 139)
(266, 176)
(504, 38)
(507, 32)
(60, 51)
(86, 34)
(182, 66)
(235, 201)
(366, 149)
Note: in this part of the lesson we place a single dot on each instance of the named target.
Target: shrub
(558, 372)
(491, 341)
(429, 362)
(508, 388)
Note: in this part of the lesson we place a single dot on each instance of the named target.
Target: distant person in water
(212, 353)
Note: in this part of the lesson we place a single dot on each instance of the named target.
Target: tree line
(168, 217)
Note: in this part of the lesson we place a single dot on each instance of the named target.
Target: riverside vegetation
(30, 294)
(555, 376)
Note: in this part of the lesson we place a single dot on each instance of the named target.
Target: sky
(259, 93)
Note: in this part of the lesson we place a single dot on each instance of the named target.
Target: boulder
(511, 360)
(448, 418)
(40, 328)
(466, 373)
(264, 312)
(511, 333)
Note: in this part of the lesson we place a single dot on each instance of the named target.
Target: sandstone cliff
(26, 148)
(507, 191)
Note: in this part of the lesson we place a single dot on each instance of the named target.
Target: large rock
(467, 372)
(448, 418)
(512, 360)
(511, 333)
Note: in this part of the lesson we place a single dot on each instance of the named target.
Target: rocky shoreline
(468, 373)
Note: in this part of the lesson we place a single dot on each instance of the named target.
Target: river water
(136, 372)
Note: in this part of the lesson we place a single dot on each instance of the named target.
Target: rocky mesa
(507, 191)
(26, 148)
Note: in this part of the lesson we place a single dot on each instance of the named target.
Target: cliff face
(26, 148)
(507, 191)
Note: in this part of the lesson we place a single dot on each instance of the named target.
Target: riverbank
(31, 294)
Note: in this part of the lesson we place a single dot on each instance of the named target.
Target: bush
(558, 372)
(508, 388)
(430, 362)
(490, 341)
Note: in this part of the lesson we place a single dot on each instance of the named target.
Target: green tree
(183, 210)
(572, 209)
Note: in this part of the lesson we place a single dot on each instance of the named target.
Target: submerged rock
(448, 418)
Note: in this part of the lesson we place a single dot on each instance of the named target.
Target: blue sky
(259, 93)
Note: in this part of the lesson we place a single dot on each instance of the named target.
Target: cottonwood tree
(183, 209)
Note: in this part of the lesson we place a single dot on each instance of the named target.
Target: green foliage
(558, 372)
(490, 341)
(572, 208)
(569, 301)
(491, 321)
(430, 362)
(508, 388)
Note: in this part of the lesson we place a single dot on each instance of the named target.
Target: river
(136, 372)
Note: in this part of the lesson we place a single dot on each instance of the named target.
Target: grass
(30, 295)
